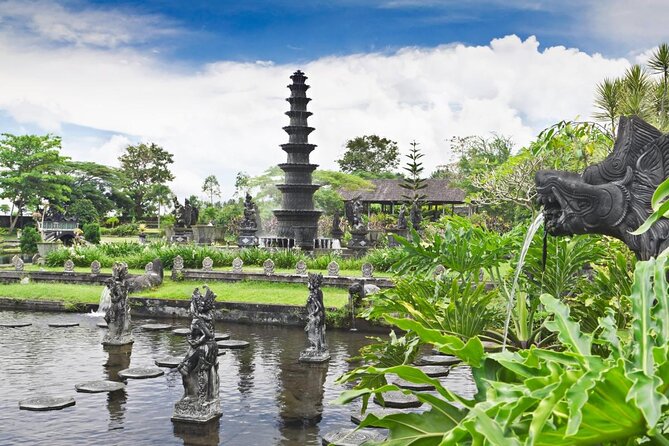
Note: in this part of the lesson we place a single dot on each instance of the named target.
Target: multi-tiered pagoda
(297, 218)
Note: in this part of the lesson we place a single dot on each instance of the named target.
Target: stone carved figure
(333, 269)
(367, 270)
(69, 266)
(356, 293)
(315, 328)
(336, 232)
(199, 368)
(402, 218)
(207, 264)
(354, 214)
(250, 220)
(152, 277)
(301, 268)
(95, 267)
(185, 215)
(118, 313)
(237, 265)
(612, 197)
(415, 216)
(268, 267)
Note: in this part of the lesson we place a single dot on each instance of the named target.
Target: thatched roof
(389, 191)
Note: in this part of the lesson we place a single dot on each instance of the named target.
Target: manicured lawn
(256, 292)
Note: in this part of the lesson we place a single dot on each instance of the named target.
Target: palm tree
(659, 64)
(162, 196)
(608, 100)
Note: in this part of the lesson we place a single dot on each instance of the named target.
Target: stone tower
(297, 218)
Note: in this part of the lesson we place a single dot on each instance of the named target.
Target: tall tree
(31, 169)
(144, 166)
(211, 188)
(95, 183)
(370, 154)
(162, 196)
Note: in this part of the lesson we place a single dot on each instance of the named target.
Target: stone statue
(402, 218)
(315, 328)
(118, 313)
(354, 214)
(415, 216)
(612, 197)
(178, 212)
(150, 279)
(356, 293)
(250, 220)
(185, 215)
(336, 232)
(199, 368)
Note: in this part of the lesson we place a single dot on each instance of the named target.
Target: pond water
(268, 398)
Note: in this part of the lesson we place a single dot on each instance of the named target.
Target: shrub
(92, 233)
(29, 239)
(111, 222)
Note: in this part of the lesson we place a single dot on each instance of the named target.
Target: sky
(207, 80)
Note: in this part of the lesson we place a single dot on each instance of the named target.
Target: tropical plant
(615, 395)
(29, 239)
(92, 233)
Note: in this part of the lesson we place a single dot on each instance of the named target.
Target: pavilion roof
(389, 191)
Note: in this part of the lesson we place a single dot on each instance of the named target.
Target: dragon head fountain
(612, 197)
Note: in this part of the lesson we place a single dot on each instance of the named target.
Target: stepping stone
(102, 325)
(155, 327)
(99, 386)
(357, 417)
(181, 331)
(140, 373)
(15, 324)
(222, 336)
(434, 371)
(351, 437)
(411, 386)
(46, 403)
(63, 324)
(439, 360)
(233, 344)
(168, 361)
(398, 400)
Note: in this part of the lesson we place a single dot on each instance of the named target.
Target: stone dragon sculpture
(612, 197)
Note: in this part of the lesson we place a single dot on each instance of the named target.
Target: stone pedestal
(314, 356)
(180, 235)
(305, 236)
(194, 411)
(203, 234)
(247, 238)
(359, 242)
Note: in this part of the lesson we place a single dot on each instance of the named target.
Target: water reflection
(118, 358)
(198, 434)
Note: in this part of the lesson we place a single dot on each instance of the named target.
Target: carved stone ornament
(367, 270)
(178, 263)
(69, 266)
(333, 269)
(95, 267)
(268, 267)
(207, 264)
(301, 268)
(612, 197)
(315, 328)
(117, 315)
(18, 265)
(237, 265)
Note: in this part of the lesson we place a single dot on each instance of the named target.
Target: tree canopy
(144, 166)
(211, 188)
(370, 154)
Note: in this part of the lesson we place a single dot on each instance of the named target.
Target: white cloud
(227, 116)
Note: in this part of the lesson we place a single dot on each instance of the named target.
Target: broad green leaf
(568, 331)
(660, 195)
(652, 219)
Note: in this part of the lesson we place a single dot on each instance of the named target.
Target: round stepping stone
(99, 386)
(140, 372)
(351, 437)
(102, 325)
(63, 324)
(181, 331)
(398, 400)
(155, 327)
(46, 403)
(434, 371)
(222, 336)
(412, 386)
(168, 361)
(233, 344)
(439, 360)
(15, 324)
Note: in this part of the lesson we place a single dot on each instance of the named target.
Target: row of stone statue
(199, 368)
(268, 267)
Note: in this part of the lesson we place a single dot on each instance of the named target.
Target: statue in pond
(118, 313)
(612, 197)
(199, 368)
(315, 328)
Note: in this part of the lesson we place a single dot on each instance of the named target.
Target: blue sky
(207, 79)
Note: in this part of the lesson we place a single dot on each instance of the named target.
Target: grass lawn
(255, 292)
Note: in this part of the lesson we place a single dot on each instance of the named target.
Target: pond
(268, 398)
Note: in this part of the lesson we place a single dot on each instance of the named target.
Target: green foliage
(92, 233)
(575, 395)
(414, 182)
(29, 239)
(477, 156)
(31, 169)
(124, 230)
(100, 185)
(111, 222)
(144, 166)
(369, 153)
(83, 210)
(211, 188)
